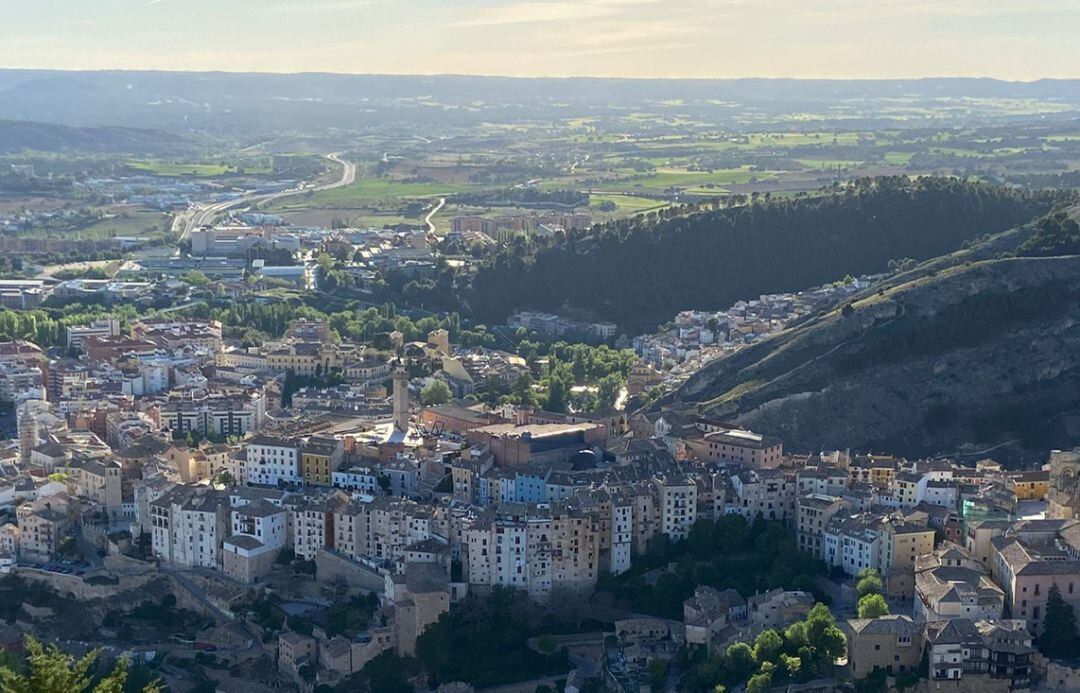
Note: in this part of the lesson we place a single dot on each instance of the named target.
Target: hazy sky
(1011, 39)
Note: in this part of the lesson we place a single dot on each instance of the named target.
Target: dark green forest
(640, 271)
(1054, 234)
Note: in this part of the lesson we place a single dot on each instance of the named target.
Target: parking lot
(62, 567)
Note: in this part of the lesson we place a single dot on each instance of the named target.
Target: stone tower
(401, 398)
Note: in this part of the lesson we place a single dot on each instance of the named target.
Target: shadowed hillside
(976, 352)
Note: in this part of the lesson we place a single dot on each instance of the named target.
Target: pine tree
(51, 671)
(873, 606)
(1059, 629)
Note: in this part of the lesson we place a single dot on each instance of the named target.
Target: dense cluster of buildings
(166, 430)
(697, 337)
(490, 229)
(552, 326)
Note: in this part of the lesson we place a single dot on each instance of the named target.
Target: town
(158, 457)
(537, 346)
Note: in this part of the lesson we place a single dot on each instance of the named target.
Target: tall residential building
(271, 460)
(319, 459)
(545, 551)
(678, 505)
(189, 527)
(258, 533)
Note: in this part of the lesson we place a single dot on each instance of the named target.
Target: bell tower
(401, 398)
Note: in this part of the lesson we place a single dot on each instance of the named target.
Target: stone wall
(75, 586)
(1061, 678)
(968, 684)
(331, 566)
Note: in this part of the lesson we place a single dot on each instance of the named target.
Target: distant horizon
(652, 39)
(479, 75)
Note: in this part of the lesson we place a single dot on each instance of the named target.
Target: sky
(1006, 39)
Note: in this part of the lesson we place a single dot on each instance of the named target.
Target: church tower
(401, 398)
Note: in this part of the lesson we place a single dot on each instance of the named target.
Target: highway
(200, 215)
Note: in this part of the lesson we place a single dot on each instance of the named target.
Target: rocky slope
(972, 354)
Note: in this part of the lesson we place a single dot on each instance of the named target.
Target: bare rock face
(973, 358)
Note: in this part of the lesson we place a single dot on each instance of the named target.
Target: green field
(802, 139)
(171, 169)
(829, 164)
(898, 158)
(679, 178)
(137, 223)
(123, 223)
(368, 190)
(626, 204)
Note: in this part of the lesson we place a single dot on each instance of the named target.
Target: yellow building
(1033, 485)
(319, 458)
(304, 358)
(903, 542)
(878, 470)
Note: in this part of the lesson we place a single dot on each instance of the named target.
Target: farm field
(368, 190)
(667, 178)
(119, 221)
(178, 169)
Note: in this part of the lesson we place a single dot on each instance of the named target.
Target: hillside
(17, 136)
(643, 271)
(973, 353)
(242, 103)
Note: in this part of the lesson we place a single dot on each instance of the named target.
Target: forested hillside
(638, 273)
(972, 352)
(17, 136)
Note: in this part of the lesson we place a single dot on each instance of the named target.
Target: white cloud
(329, 6)
(531, 12)
(546, 11)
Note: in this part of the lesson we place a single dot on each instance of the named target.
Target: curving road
(200, 215)
(432, 213)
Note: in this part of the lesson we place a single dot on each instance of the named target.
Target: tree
(824, 643)
(523, 392)
(739, 661)
(790, 665)
(53, 671)
(66, 547)
(767, 646)
(197, 278)
(869, 582)
(435, 392)
(658, 673)
(547, 644)
(557, 395)
(873, 606)
(1059, 629)
(759, 683)
(609, 388)
(387, 673)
